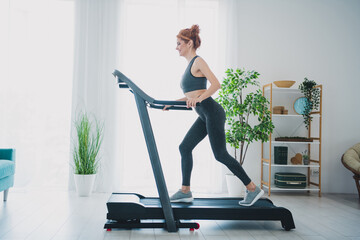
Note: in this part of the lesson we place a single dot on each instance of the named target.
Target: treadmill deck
(124, 207)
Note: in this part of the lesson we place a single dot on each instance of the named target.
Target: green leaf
(87, 146)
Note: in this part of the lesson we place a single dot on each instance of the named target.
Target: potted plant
(239, 109)
(85, 152)
(305, 157)
(312, 94)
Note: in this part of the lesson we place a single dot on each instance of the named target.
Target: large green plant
(312, 94)
(239, 108)
(87, 146)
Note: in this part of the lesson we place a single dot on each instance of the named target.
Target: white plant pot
(84, 184)
(234, 185)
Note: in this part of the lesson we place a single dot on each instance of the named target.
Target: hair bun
(192, 34)
(195, 29)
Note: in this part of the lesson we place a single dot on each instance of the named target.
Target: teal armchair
(7, 170)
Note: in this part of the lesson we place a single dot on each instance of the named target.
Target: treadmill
(132, 210)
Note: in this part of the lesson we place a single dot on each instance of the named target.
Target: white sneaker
(251, 197)
(179, 196)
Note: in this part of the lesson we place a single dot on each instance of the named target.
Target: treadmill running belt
(232, 203)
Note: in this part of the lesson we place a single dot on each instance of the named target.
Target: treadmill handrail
(125, 82)
(123, 79)
(169, 108)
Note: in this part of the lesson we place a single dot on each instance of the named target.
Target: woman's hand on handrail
(167, 106)
(191, 102)
(178, 100)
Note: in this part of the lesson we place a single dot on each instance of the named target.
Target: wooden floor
(62, 215)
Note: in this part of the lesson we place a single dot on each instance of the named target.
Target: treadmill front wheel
(196, 227)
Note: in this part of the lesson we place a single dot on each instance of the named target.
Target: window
(36, 88)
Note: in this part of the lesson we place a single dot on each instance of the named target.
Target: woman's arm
(214, 82)
(202, 66)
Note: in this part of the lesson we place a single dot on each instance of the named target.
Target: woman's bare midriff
(194, 94)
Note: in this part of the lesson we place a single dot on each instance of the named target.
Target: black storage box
(280, 154)
(290, 180)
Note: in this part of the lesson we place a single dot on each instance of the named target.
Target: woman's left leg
(195, 135)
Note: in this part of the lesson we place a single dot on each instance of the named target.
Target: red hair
(192, 33)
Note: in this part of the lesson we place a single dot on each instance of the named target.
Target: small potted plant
(312, 94)
(305, 157)
(239, 108)
(85, 152)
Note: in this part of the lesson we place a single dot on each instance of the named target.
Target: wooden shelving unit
(294, 120)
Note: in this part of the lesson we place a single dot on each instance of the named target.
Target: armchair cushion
(352, 158)
(7, 168)
(356, 148)
(7, 154)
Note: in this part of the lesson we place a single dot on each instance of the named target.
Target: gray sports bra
(189, 82)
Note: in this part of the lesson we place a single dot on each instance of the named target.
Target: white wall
(318, 39)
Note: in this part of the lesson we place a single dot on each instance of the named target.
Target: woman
(211, 120)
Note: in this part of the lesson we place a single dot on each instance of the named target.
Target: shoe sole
(253, 201)
(186, 200)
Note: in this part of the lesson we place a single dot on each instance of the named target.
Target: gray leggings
(211, 121)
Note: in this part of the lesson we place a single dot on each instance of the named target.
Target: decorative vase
(234, 185)
(84, 184)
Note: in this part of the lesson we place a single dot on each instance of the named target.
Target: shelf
(291, 124)
(293, 166)
(284, 90)
(287, 115)
(308, 188)
(292, 115)
(279, 142)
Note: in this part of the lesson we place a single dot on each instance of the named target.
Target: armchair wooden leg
(6, 194)
(357, 180)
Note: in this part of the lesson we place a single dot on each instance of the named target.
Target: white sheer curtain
(94, 88)
(233, 56)
(142, 34)
(36, 42)
(230, 11)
